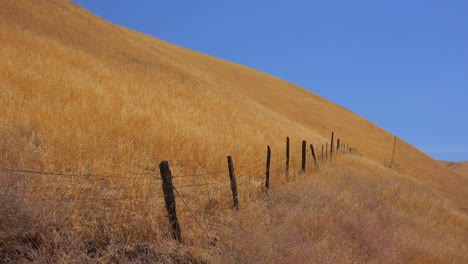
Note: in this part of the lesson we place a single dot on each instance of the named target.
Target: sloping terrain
(80, 95)
(78, 89)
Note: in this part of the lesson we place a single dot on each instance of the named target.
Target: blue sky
(401, 64)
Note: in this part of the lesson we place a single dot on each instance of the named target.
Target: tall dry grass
(65, 109)
(84, 97)
(350, 210)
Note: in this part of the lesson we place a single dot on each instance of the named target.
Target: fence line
(110, 197)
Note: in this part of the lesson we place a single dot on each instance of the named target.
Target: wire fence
(123, 200)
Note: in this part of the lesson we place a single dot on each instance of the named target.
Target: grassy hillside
(87, 95)
(79, 95)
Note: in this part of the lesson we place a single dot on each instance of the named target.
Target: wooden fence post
(322, 152)
(168, 190)
(313, 154)
(232, 178)
(338, 146)
(267, 174)
(303, 165)
(287, 156)
(331, 146)
(393, 152)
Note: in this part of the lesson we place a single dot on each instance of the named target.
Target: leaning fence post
(287, 156)
(303, 165)
(313, 154)
(267, 173)
(232, 178)
(331, 146)
(168, 190)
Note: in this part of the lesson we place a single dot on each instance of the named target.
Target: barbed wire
(200, 174)
(66, 199)
(114, 205)
(86, 176)
(191, 212)
(202, 184)
(58, 186)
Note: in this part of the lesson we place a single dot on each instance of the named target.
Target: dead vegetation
(83, 97)
(351, 210)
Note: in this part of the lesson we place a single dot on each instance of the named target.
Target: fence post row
(168, 190)
(303, 165)
(313, 154)
(287, 156)
(331, 146)
(232, 178)
(267, 173)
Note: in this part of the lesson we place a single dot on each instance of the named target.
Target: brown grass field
(102, 105)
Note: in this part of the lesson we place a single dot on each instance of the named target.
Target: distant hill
(459, 167)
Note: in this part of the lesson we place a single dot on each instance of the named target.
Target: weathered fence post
(338, 146)
(331, 146)
(393, 152)
(267, 173)
(287, 156)
(303, 165)
(168, 190)
(313, 154)
(322, 152)
(232, 178)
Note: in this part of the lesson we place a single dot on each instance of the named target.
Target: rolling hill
(81, 95)
(71, 65)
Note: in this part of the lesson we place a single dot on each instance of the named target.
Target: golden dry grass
(352, 211)
(81, 96)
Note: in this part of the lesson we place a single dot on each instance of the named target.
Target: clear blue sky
(402, 64)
